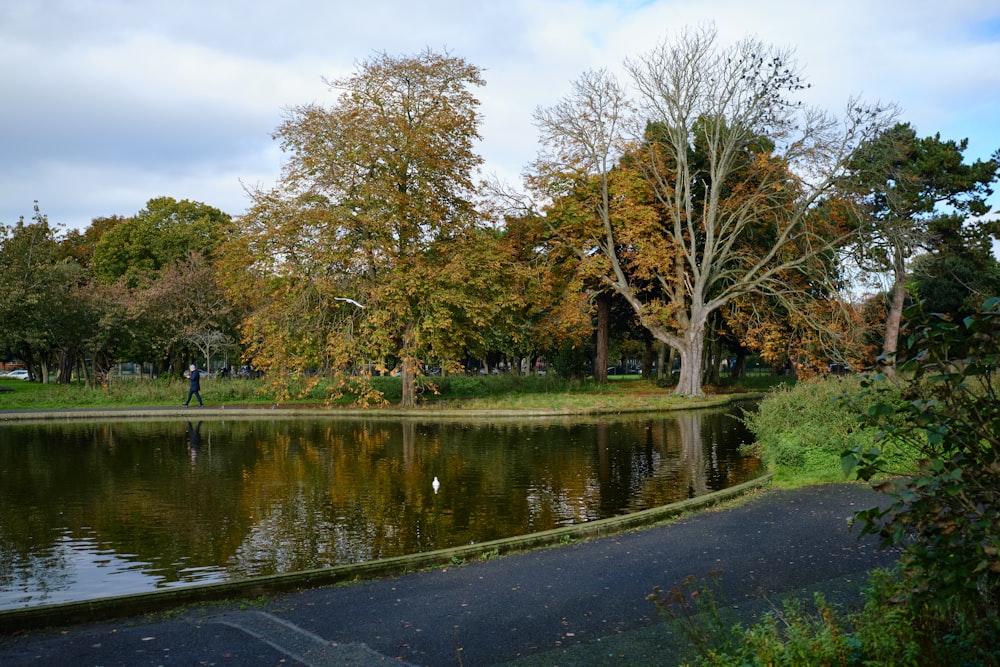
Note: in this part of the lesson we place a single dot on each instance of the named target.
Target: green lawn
(503, 392)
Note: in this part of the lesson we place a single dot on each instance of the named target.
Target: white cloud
(109, 103)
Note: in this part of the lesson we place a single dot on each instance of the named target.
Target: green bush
(946, 515)
(892, 631)
(886, 631)
(802, 431)
(931, 433)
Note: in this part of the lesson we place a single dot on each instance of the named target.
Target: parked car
(19, 374)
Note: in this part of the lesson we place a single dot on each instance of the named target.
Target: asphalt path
(583, 603)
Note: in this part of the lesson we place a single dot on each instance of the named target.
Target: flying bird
(436, 484)
(350, 301)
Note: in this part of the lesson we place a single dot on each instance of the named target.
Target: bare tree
(207, 340)
(733, 169)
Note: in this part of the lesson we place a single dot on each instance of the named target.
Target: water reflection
(95, 509)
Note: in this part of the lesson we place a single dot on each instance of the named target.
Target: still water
(90, 510)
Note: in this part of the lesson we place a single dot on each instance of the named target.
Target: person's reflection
(194, 440)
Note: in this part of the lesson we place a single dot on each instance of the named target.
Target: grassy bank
(502, 392)
(802, 432)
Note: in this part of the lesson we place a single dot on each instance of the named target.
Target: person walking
(194, 388)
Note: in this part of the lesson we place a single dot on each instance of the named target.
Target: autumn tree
(182, 311)
(157, 268)
(727, 154)
(914, 192)
(366, 249)
(545, 306)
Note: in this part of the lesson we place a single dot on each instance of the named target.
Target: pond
(90, 509)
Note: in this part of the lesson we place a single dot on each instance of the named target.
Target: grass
(126, 392)
(499, 392)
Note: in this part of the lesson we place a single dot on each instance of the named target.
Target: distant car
(19, 374)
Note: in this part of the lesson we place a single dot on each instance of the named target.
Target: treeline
(142, 288)
(698, 210)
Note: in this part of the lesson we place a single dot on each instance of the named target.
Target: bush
(946, 516)
(891, 631)
(802, 431)
(886, 631)
(932, 433)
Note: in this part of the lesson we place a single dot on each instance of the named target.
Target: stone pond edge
(137, 604)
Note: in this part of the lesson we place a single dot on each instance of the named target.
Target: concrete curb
(321, 411)
(87, 611)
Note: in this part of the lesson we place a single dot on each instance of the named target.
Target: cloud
(109, 103)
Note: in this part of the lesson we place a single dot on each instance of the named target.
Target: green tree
(164, 232)
(913, 191)
(37, 297)
(367, 248)
(156, 268)
(958, 272)
(81, 245)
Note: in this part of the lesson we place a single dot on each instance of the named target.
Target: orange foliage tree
(369, 251)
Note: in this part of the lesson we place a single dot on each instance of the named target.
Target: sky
(107, 104)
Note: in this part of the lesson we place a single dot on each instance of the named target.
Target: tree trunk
(892, 324)
(739, 368)
(689, 382)
(603, 335)
(409, 378)
(67, 362)
(647, 359)
(409, 370)
(713, 362)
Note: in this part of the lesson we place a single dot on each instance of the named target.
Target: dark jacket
(195, 379)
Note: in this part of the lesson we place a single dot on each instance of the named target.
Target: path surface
(578, 604)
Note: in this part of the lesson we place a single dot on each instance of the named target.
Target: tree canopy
(697, 196)
(163, 233)
(368, 251)
(915, 194)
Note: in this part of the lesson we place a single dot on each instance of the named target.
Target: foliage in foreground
(885, 631)
(947, 514)
(940, 605)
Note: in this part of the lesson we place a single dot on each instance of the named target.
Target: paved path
(578, 604)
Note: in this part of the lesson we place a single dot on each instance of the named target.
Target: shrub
(946, 516)
(891, 631)
(940, 606)
(802, 431)
(886, 631)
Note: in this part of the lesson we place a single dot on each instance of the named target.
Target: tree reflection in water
(92, 509)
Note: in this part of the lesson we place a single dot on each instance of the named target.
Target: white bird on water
(436, 484)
